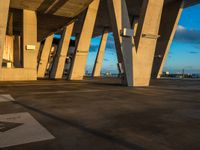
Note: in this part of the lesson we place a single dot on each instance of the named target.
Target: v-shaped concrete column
(119, 20)
(137, 54)
(99, 59)
(82, 48)
(61, 54)
(4, 9)
(169, 22)
(145, 41)
(42, 66)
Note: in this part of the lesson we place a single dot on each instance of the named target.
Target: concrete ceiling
(55, 14)
(64, 8)
(52, 14)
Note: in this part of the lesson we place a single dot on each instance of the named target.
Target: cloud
(193, 52)
(93, 48)
(196, 46)
(187, 35)
(110, 43)
(180, 28)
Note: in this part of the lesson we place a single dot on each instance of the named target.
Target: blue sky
(185, 49)
(184, 52)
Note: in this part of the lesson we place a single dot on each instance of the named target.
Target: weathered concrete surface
(102, 115)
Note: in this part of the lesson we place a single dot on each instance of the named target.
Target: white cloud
(181, 28)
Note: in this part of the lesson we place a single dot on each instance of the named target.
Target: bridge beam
(169, 22)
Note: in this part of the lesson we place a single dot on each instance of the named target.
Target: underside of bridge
(143, 31)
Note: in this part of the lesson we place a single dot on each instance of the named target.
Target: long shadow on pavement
(81, 127)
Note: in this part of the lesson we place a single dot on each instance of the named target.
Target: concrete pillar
(4, 9)
(42, 66)
(30, 45)
(137, 54)
(145, 41)
(169, 21)
(61, 54)
(99, 59)
(120, 20)
(80, 58)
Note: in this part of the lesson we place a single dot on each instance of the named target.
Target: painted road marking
(6, 98)
(21, 128)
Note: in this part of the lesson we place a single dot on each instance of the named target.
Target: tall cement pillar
(4, 9)
(169, 21)
(61, 54)
(82, 48)
(138, 53)
(145, 41)
(44, 56)
(30, 45)
(120, 20)
(99, 59)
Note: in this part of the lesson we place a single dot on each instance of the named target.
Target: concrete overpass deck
(103, 115)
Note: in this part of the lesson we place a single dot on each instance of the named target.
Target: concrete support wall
(145, 41)
(30, 50)
(61, 54)
(17, 74)
(4, 8)
(82, 48)
(42, 66)
(170, 18)
(119, 20)
(99, 59)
